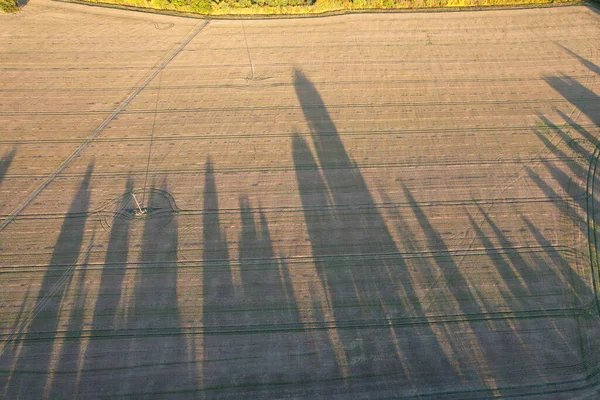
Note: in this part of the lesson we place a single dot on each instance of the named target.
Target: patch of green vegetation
(191, 6)
(8, 6)
(299, 7)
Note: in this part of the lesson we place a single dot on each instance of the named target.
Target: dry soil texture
(363, 206)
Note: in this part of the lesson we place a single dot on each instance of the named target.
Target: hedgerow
(8, 6)
(291, 7)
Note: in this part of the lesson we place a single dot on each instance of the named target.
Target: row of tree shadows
(256, 341)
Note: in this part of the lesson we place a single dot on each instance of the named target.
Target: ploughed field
(363, 206)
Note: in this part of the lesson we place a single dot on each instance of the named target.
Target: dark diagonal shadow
(457, 296)
(155, 315)
(588, 64)
(516, 292)
(108, 313)
(157, 284)
(367, 279)
(576, 168)
(573, 190)
(282, 282)
(566, 204)
(218, 290)
(569, 141)
(65, 383)
(550, 193)
(583, 132)
(265, 297)
(317, 205)
(40, 338)
(218, 285)
(456, 283)
(263, 274)
(580, 96)
(577, 286)
(523, 280)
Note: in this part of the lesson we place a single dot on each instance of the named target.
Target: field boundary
(324, 14)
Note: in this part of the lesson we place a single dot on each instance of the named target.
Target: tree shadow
(261, 271)
(517, 292)
(31, 375)
(367, 280)
(583, 132)
(265, 294)
(593, 6)
(457, 284)
(72, 349)
(154, 316)
(575, 192)
(588, 64)
(497, 345)
(261, 301)
(569, 141)
(531, 288)
(5, 163)
(588, 104)
(108, 315)
(580, 96)
(218, 288)
(577, 287)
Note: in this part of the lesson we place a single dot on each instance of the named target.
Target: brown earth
(363, 206)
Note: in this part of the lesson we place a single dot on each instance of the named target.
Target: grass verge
(250, 8)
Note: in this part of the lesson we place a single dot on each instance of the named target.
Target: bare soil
(362, 206)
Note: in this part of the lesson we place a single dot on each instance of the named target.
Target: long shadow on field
(72, 349)
(155, 315)
(570, 167)
(509, 265)
(265, 278)
(588, 64)
(109, 314)
(572, 124)
(218, 288)
(260, 299)
(571, 142)
(562, 170)
(5, 163)
(31, 372)
(267, 298)
(577, 287)
(494, 346)
(532, 286)
(588, 103)
(533, 280)
(367, 280)
(580, 296)
(580, 96)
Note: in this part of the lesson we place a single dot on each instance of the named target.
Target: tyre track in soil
(15, 334)
(11, 217)
(502, 187)
(293, 107)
